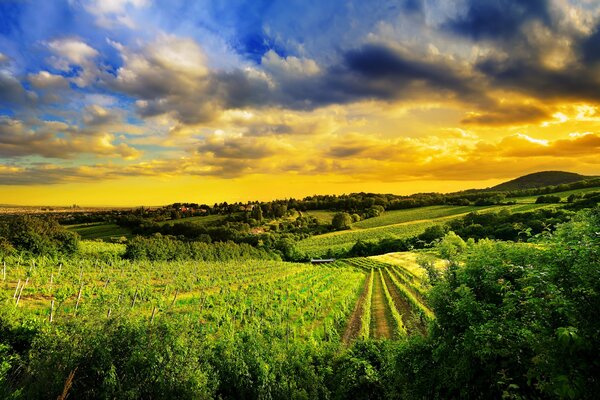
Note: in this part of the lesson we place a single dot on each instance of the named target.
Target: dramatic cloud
(497, 19)
(337, 95)
(71, 55)
(54, 139)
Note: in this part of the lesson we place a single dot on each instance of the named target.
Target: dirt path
(381, 320)
(354, 324)
(411, 323)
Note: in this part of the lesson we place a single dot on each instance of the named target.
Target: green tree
(257, 213)
(341, 221)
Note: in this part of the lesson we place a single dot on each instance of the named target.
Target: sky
(142, 102)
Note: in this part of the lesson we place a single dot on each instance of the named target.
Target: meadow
(391, 224)
(100, 230)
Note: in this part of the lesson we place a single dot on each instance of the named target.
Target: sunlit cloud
(349, 93)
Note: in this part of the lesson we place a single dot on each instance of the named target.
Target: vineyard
(353, 298)
(394, 217)
(274, 298)
(392, 224)
(98, 325)
(393, 304)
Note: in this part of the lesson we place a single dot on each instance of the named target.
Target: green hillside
(540, 179)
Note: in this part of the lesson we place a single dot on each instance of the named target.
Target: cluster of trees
(354, 203)
(547, 199)
(512, 321)
(166, 248)
(38, 236)
(502, 225)
(582, 201)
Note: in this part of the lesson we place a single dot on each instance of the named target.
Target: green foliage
(516, 319)
(358, 374)
(38, 236)
(548, 199)
(451, 246)
(512, 320)
(505, 225)
(432, 233)
(341, 221)
(163, 248)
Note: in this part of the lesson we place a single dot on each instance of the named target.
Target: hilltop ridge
(540, 179)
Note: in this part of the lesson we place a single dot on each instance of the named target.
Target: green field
(264, 297)
(323, 216)
(414, 214)
(563, 195)
(202, 221)
(100, 230)
(392, 224)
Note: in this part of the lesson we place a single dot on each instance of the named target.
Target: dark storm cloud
(508, 115)
(498, 19)
(195, 95)
(590, 47)
(12, 93)
(530, 76)
(385, 69)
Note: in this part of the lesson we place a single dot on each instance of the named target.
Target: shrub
(40, 236)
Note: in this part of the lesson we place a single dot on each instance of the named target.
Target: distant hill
(541, 179)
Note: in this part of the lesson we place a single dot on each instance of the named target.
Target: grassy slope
(100, 230)
(204, 220)
(408, 223)
(563, 195)
(323, 216)
(383, 227)
(414, 214)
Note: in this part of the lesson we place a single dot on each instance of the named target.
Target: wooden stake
(21, 291)
(51, 310)
(134, 298)
(153, 314)
(78, 297)
(17, 289)
(59, 268)
(108, 313)
(175, 297)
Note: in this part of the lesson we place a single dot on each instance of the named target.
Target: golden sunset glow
(128, 110)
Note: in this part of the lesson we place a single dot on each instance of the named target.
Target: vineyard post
(59, 268)
(134, 298)
(153, 314)
(51, 280)
(175, 297)
(108, 313)
(51, 310)
(21, 291)
(78, 297)
(17, 289)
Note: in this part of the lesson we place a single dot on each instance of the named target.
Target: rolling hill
(540, 179)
